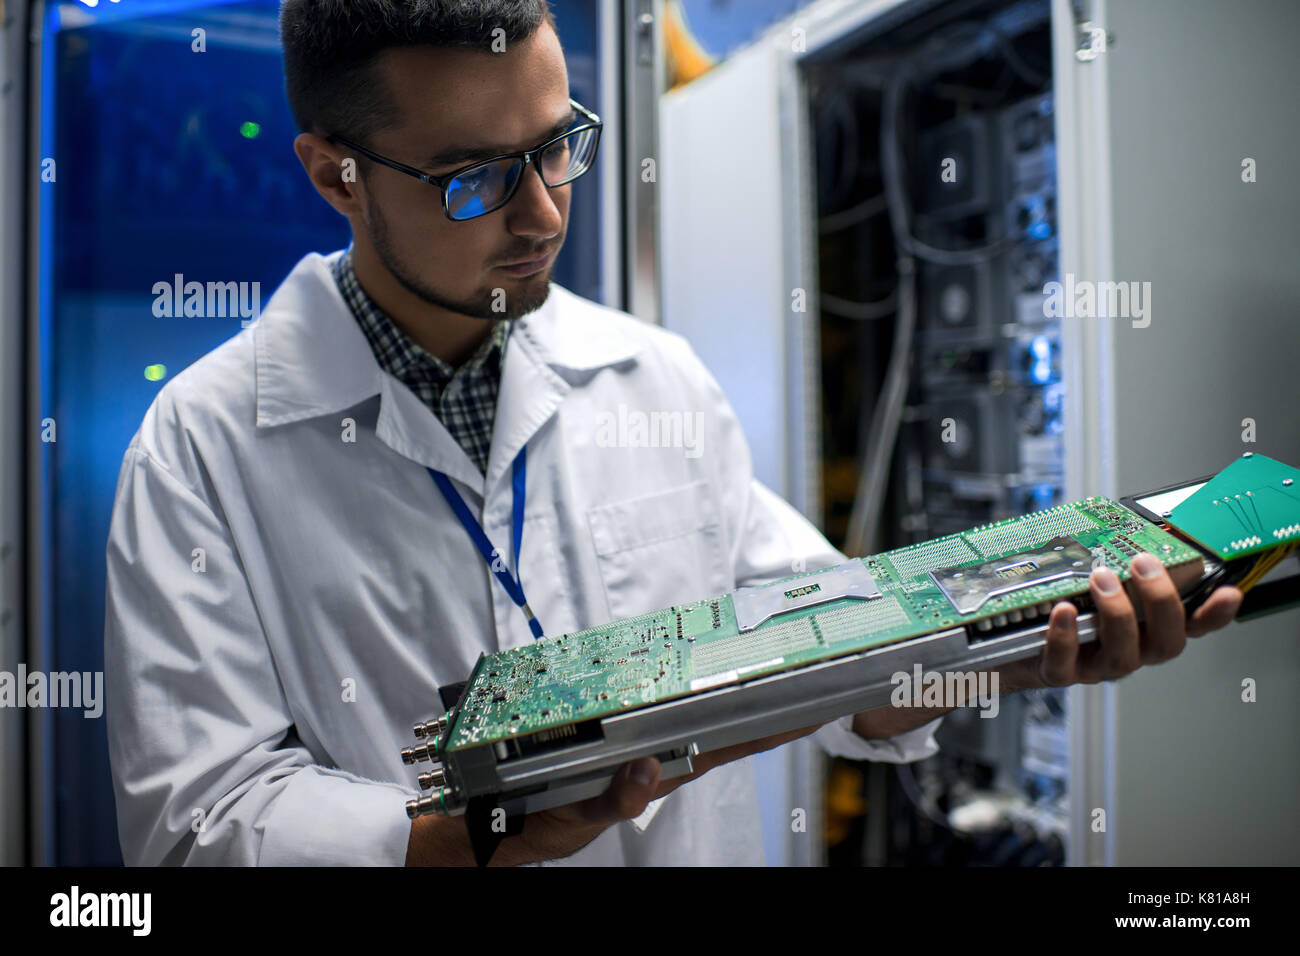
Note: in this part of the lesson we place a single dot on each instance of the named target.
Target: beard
(528, 298)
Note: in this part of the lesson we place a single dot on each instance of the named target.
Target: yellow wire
(1258, 571)
(1282, 555)
(1250, 577)
(1265, 564)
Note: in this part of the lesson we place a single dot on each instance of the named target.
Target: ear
(334, 170)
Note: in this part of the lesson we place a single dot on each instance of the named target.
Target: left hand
(1122, 646)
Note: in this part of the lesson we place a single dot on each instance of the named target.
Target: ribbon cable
(510, 582)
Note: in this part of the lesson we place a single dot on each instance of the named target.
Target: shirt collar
(312, 357)
(400, 355)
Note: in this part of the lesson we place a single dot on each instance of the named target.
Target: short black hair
(331, 46)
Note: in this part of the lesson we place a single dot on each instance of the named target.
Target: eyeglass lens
(485, 188)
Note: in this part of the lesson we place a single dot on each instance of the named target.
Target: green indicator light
(249, 130)
(155, 373)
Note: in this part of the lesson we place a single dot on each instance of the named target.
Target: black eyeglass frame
(528, 156)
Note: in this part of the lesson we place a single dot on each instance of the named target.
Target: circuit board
(1252, 505)
(988, 578)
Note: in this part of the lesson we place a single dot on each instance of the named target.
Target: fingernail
(1105, 580)
(640, 775)
(1146, 565)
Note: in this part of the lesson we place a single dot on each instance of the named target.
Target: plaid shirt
(464, 399)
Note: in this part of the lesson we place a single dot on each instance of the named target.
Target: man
(314, 525)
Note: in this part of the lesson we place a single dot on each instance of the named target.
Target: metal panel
(643, 80)
(1189, 89)
(1082, 182)
(13, 80)
(39, 605)
(722, 242)
(611, 160)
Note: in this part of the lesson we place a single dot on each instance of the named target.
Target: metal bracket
(644, 25)
(754, 605)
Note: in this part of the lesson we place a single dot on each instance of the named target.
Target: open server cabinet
(1116, 149)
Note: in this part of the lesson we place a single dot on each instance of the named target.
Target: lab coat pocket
(660, 549)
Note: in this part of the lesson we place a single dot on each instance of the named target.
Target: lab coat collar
(312, 359)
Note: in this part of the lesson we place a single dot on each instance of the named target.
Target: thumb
(631, 789)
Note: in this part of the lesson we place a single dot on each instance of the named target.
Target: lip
(527, 267)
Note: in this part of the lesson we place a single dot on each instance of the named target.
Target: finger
(1060, 658)
(1219, 610)
(1118, 629)
(631, 789)
(1162, 609)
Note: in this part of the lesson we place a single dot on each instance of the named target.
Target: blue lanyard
(509, 581)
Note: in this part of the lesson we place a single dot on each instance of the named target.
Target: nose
(533, 211)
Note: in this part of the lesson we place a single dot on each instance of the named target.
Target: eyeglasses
(486, 186)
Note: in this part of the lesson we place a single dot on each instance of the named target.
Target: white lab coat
(287, 588)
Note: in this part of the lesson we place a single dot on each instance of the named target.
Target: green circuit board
(989, 577)
(1253, 505)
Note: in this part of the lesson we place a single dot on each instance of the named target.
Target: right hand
(562, 831)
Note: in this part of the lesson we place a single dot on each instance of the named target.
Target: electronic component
(960, 168)
(1268, 575)
(964, 431)
(969, 588)
(866, 603)
(549, 723)
(987, 356)
(957, 301)
(1029, 267)
(754, 605)
(1253, 505)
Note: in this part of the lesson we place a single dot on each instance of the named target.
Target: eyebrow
(467, 154)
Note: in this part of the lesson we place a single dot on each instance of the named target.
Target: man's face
(485, 104)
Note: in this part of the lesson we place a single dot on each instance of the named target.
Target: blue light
(1041, 347)
(72, 15)
(1042, 372)
(1040, 230)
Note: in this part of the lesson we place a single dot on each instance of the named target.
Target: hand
(551, 834)
(1121, 646)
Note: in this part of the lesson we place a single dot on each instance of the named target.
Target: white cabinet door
(728, 231)
(1154, 133)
